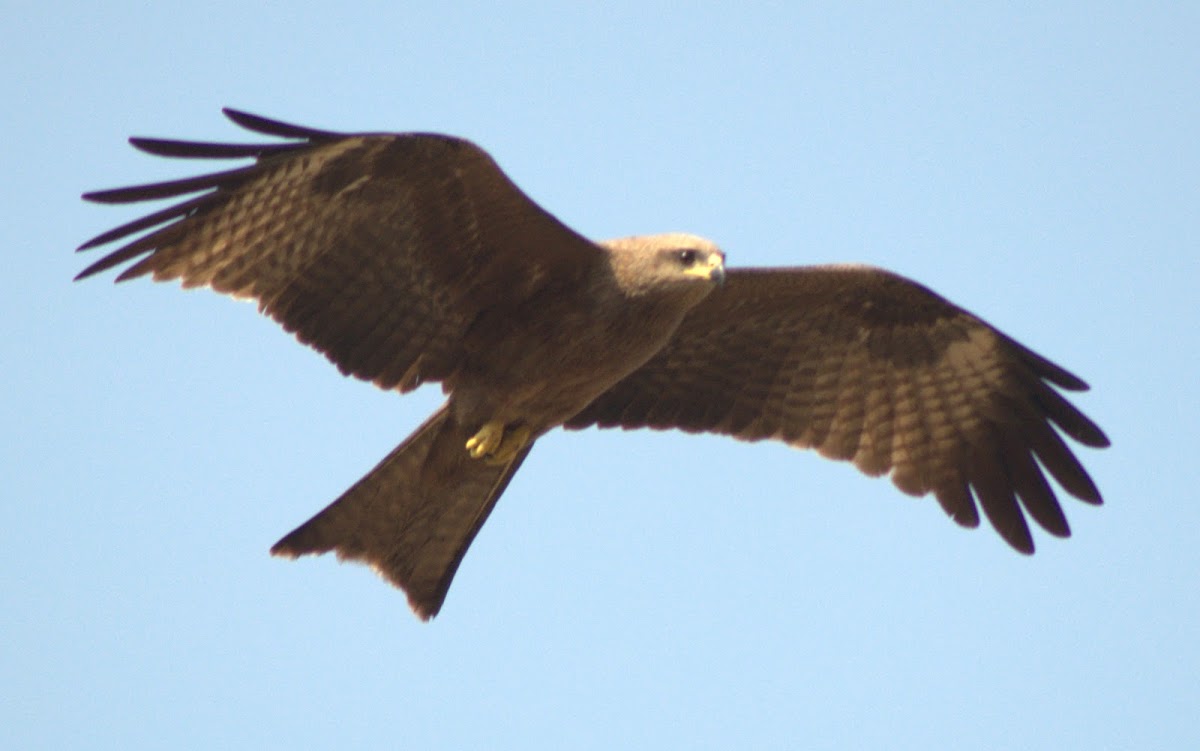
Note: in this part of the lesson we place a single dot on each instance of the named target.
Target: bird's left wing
(867, 366)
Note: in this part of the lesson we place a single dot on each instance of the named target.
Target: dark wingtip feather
(1050, 371)
(112, 195)
(1063, 466)
(116, 258)
(954, 497)
(154, 191)
(1067, 416)
(207, 150)
(102, 265)
(266, 126)
(176, 211)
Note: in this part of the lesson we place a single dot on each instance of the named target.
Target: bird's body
(411, 258)
(594, 333)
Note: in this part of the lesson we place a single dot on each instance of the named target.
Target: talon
(512, 443)
(495, 445)
(487, 440)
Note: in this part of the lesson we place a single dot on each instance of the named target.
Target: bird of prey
(412, 258)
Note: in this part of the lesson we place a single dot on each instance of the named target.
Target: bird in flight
(408, 258)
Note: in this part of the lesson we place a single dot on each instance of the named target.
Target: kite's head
(673, 264)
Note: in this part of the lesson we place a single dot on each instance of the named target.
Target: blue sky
(1036, 164)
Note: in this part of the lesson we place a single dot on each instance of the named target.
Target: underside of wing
(376, 249)
(866, 366)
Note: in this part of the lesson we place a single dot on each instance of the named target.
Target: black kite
(410, 258)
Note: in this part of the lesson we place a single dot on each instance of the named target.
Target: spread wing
(379, 250)
(866, 366)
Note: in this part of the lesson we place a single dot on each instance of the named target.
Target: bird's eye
(687, 257)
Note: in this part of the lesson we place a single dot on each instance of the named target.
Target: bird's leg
(497, 445)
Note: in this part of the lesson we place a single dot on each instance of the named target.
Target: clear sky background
(1038, 165)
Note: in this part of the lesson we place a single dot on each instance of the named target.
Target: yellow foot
(495, 445)
(487, 440)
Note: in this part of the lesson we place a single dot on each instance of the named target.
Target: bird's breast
(544, 371)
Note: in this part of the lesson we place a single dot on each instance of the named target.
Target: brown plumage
(412, 258)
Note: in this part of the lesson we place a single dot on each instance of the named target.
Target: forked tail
(414, 515)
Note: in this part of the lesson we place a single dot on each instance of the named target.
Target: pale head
(673, 264)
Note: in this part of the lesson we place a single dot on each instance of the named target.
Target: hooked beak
(713, 270)
(717, 274)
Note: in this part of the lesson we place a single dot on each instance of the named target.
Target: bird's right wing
(376, 249)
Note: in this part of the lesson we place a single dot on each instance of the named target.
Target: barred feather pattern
(869, 367)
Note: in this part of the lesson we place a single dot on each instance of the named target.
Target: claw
(487, 440)
(495, 445)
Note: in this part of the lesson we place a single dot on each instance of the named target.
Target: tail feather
(413, 516)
